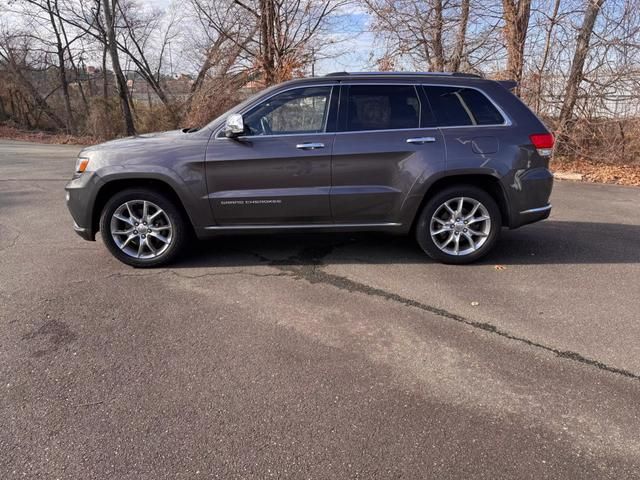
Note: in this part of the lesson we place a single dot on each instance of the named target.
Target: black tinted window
(382, 107)
(455, 106)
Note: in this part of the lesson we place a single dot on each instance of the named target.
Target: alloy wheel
(460, 226)
(141, 229)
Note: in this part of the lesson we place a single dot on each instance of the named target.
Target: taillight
(543, 143)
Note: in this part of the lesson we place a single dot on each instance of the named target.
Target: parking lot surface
(318, 356)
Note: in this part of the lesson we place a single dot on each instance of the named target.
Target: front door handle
(421, 140)
(309, 146)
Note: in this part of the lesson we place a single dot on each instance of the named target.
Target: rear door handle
(421, 140)
(309, 146)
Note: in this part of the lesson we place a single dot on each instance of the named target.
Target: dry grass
(13, 133)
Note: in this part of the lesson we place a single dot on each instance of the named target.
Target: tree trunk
(576, 74)
(545, 57)
(105, 78)
(62, 71)
(437, 64)
(461, 37)
(117, 70)
(267, 19)
(516, 24)
(74, 67)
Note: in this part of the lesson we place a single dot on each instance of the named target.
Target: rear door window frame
(507, 120)
(424, 109)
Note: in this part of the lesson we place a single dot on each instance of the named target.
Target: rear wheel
(142, 228)
(459, 225)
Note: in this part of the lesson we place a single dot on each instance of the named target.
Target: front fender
(188, 185)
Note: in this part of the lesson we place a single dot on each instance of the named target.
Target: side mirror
(234, 125)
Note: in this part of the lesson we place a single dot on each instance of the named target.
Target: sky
(354, 46)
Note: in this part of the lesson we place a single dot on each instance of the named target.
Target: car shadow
(548, 242)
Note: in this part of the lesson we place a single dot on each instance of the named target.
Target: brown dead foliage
(595, 172)
(12, 133)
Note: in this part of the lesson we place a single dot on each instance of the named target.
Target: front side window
(457, 106)
(382, 107)
(302, 110)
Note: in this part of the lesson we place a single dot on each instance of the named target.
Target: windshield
(215, 122)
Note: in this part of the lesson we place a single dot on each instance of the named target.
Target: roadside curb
(574, 177)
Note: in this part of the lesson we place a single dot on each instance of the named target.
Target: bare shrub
(105, 118)
(604, 140)
(215, 97)
(154, 118)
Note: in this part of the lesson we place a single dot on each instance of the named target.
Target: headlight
(81, 164)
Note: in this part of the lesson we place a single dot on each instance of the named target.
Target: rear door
(385, 144)
(280, 171)
(470, 123)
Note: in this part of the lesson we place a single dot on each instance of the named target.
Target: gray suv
(451, 158)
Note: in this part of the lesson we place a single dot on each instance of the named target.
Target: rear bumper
(530, 197)
(534, 215)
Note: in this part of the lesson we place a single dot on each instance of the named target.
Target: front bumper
(80, 198)
(85, 233)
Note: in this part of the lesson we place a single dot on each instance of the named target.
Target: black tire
(174, 218)
(423, 226)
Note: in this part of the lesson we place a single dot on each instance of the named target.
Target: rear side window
(458, 106)
(382, 107)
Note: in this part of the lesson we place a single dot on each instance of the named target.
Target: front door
(384, 146)
(279, 172)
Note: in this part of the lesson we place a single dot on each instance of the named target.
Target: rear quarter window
(459, 106)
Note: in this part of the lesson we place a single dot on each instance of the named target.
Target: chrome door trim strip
(301, 226)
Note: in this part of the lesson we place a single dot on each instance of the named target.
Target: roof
(402, 74)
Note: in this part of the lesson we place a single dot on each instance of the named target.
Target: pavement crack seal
(306, 266)
(204, 275)
(12, 243)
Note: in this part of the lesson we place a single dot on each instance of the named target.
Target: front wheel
(459, 225)
(142, 228)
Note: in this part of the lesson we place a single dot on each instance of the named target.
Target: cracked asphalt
(317, 356)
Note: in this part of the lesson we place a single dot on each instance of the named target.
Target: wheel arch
(485, 181)
(114, 186)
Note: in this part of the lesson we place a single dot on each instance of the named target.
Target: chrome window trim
(388, 130)
(507, 123)
(262, 100)
(507, 120)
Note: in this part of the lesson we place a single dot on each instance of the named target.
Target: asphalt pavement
(318, 356)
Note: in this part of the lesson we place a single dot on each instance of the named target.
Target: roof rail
(444, 74)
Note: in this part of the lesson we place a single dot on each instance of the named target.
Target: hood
(136, 141)
(149, 149)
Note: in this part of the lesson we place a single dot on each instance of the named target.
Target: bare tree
(14, 55)
(286, 30)
(461, 38)
(45, 18)
(110, 28)
(431, 35)
(516, 25)
(576, 73)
